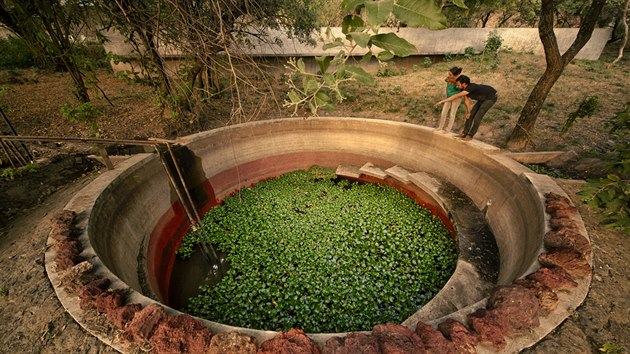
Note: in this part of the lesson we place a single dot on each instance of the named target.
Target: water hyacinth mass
(311, 251)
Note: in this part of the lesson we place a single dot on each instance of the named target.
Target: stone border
(83, 203)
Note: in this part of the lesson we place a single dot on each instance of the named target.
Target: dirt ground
(32, 319)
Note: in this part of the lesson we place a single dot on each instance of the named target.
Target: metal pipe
(105, 156)
(190, 200)
(187, 201)
(174, 184)
(150, 142)
(7, 153)
(6, 119)
(193, 222)
(16, 153)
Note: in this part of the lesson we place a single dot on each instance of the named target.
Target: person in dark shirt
(486, 97)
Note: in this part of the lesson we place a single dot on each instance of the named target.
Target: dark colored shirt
(481, 92)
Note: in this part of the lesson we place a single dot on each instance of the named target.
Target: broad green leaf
(366, 58)
(323, 62)
(309, 84)
(300, 65)
(378, 11)
(614, 178)
(350, 5)
(615, 205)
(340, 73)
(329, 45)
(360, 75)
(329, 79)
(420, 13)
(321, 99)
(339, 58)
(391, 42)
(460, 4)
(351, 23)
(336, 43)
(385, 55)
(293, 96)
(360, 38)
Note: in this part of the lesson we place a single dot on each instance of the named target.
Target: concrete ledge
(535, 157)
(371, 170)
(398, 173)
(348, 171)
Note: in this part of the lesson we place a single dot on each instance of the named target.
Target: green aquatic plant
(310, 251)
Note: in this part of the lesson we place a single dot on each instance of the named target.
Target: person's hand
(467, 116)
(437, 104)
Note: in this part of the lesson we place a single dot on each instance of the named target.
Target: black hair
(456, 70)
(463, 79)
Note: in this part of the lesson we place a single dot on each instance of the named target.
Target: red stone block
(517, 305)
(181, 334)
(353, 343)
(464, 339)
(121, 316)
(294, 341)
(554, 278)
(397, 339)
(567, 239)
(488, 324)
(144, 323)
(434, 341)
(572, 261)
(108, 300)
(547, 298)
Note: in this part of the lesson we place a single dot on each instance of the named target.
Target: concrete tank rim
(69, 302)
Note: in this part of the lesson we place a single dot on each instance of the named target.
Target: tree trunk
(80, 90)
(156, 58)
(624, 21)
(485, 18)
(556, 63)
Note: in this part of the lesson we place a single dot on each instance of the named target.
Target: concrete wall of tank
(127, 211)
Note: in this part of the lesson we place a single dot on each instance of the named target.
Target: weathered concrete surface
(427, 42)
(120, 209)
(453, 41)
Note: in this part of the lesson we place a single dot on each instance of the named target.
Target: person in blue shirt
(485, 97)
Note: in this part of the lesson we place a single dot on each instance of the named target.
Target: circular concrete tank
(126, 213)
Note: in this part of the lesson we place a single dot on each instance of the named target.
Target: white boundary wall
(427, 42)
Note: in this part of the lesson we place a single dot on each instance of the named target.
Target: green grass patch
(546, 170)
(310, 251)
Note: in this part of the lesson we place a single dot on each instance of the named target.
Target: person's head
(454, 71)
(462, 82)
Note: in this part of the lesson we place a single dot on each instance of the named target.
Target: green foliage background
(310, 252)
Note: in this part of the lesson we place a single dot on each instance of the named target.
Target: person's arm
(467, 105)
(452, 98)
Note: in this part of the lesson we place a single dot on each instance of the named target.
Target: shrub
(426, 62)
(469, 52)
(493, 43)
(15, 54)
(10, 173)
(84, 113)
(587, 108)
(611, 195)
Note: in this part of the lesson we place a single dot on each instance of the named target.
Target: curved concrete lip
(511, 196)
